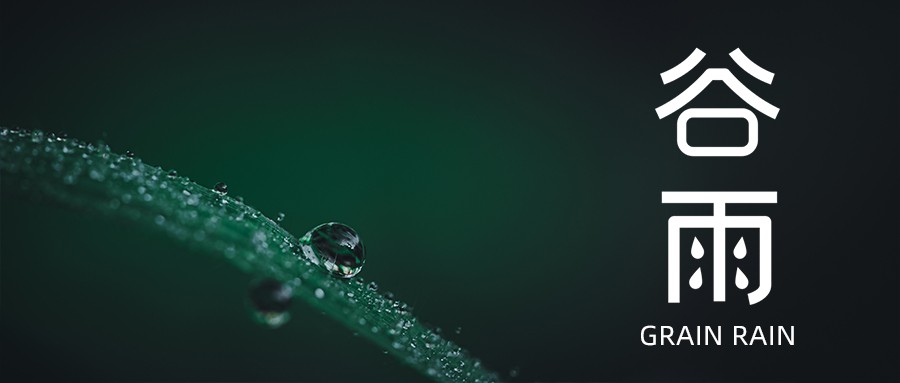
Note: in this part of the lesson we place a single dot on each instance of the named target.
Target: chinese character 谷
(708, 76)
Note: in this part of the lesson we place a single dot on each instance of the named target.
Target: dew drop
(320, 293)
(373, 286)
(696, 279)
(129, 154)
(740, 250)
(173, 173)
(696, 249)
(272, 319)
(280, 217)
(221, 188)
(740, 280)
(335, 247)
(270, 300)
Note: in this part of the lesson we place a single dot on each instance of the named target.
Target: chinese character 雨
(719, 221)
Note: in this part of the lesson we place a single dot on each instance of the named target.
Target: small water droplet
(458, 330)
(280, 217)
(696, 279)
(129, 154)
(740, 280)
(270, 300)
(320, 293)
(272, 319)
(173, 173)
(740, 250)
(373, 286)
(335, 247)
(221, 188)
(696, 249)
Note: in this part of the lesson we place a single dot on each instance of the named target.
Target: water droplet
(696, 249)
(173, 173)
(320, 293)
(129, 154)
(280, 217)
(740, 280)
(272, 319)
(373, 286)
(336, 247)
(221, 188)
(740, 250)
(458, 330)
(270, 300)
(696, 279)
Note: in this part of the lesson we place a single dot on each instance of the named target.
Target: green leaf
(92, 178)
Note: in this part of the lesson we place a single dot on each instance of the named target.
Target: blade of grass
(92, 178)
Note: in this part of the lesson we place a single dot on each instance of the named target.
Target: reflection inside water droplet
(335, 247)
(696, 280)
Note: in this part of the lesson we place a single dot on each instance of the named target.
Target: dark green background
(502, 162)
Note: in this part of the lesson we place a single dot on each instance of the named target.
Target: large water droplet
(696, 280)
(740, 250)
(336, 247)
(696, 249)
(740, 280)
(270, 300)
(221, 188)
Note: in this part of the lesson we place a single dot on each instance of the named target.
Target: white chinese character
(708, 76)
(719, 222)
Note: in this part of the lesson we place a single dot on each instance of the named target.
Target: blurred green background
(502, 163)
